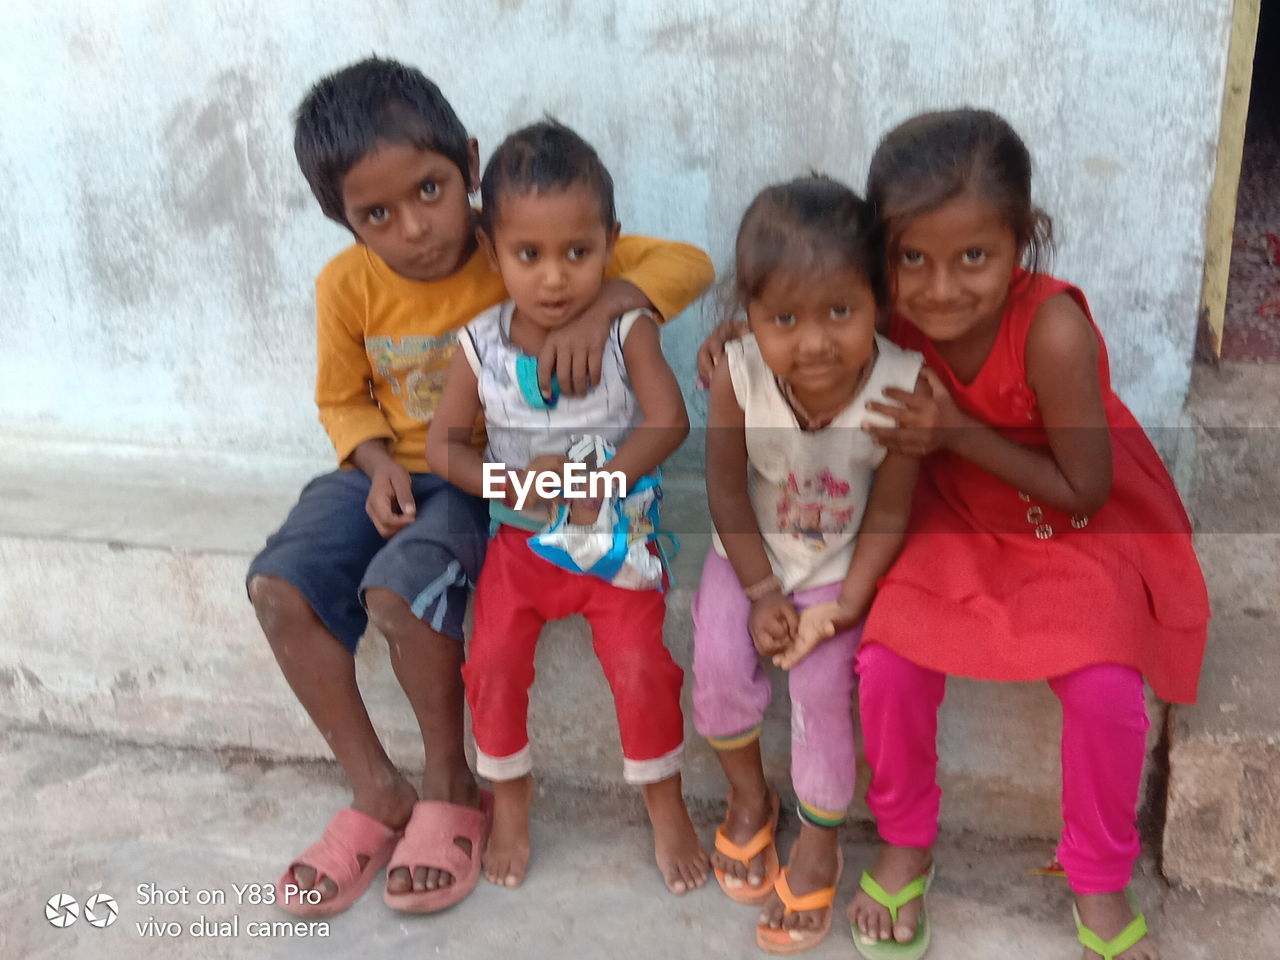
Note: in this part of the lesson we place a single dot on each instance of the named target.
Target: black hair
(934, 157)
(541, 158)
(810, 223)
(342, 118)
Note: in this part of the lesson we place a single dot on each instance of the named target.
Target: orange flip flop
(1051, 869)
(762, 841)
(782, 941)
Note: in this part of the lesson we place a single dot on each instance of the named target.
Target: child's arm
(665, 423)
(712, 350)
(884, 526)
(645, 273)
(1074, 475)
(449, 449)
(390, 503)
(350, 416)
(348, 412)
(773, 619)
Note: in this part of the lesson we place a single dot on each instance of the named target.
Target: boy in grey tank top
(548, 224)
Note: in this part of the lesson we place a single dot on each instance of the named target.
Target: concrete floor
(83, 816)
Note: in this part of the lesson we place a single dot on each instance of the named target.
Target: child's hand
(772, 624)
(390, 503)
(817, 623)
(712, 350)
(546, 463)
(573, 352)
(584, 512)
(922, 419)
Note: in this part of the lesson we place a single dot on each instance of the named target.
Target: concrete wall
(159, 244)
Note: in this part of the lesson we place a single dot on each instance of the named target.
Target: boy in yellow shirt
(383, 538)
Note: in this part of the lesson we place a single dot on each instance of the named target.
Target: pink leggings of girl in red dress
(1104, 727)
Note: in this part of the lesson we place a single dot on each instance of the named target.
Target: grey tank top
(517, 430)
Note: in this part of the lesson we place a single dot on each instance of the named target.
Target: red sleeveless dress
(992, 585)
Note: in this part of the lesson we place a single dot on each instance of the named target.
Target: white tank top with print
(809, 488)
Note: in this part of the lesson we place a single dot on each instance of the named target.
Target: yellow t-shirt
(384, 342)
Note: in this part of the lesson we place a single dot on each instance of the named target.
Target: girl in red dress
(1047, 541)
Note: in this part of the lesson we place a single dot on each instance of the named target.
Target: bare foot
(460, 789)
(895, 868)
(1107, 914)
(814, 864)
(746, 815)
(680, 856)
(506, 855)
(390, 801)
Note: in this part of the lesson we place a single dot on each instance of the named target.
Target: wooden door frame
(1226, 176)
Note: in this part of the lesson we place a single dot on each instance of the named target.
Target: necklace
(816, 421)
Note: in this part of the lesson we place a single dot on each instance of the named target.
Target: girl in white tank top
(809, 513)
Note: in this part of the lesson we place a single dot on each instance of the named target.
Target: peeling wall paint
(160, 244)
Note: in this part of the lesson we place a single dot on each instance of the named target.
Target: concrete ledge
(121, 580)
(1223, 823)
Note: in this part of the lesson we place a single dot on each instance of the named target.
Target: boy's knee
(388, 611)
(279, 605)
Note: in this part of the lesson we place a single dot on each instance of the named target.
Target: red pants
(518, 592)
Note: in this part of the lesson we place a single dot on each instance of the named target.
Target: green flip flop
(1126, 938)
(893, 902)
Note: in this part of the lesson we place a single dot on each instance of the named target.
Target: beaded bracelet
(758, 591)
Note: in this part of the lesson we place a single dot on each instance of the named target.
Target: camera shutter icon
(61, 910)
(101, 910)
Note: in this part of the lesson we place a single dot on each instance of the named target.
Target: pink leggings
(1104, 726)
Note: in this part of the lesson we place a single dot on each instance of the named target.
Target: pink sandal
(429, 841)
(349, 836)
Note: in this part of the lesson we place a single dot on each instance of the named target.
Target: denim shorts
(329, 549)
